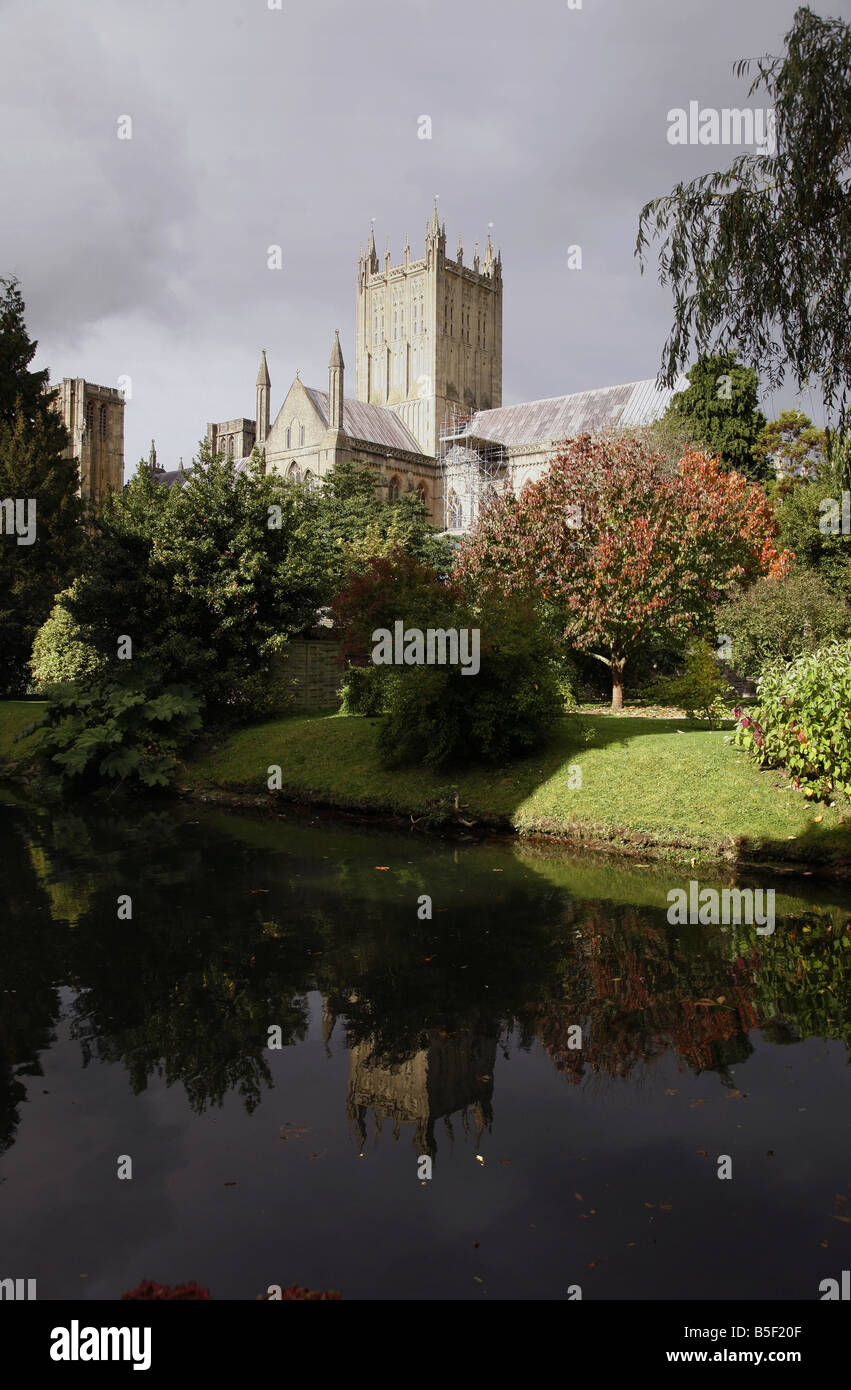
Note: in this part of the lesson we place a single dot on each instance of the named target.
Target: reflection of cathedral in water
(452, 1074)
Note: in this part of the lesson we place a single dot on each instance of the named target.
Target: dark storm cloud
(254, 127)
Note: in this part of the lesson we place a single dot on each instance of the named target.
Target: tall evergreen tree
(720, 408)
(40, 534)
(758, 255)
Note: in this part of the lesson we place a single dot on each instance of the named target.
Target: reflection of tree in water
(32, 960)
(638, 992)
(227, 939)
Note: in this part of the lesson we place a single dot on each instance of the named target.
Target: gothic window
(309, 480)
(421, 493)
(102, 422)
(454, 511)
(375, 329)
(90, 419)
(301, 436)
(289, 433)
(292, 472)
(393, 489)
(230, 446)
(484, 333)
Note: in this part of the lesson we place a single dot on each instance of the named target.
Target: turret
(263, 385)
(336, 367)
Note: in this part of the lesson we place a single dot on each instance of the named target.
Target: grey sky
(251, 126)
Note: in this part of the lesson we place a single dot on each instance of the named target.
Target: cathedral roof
(374, 424)
(611, 407)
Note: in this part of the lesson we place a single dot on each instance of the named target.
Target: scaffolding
(472, 469)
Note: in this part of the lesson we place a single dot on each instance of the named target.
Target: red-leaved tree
(620, 550)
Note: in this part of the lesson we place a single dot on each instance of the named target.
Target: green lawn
(654, 785)
(657, 784)
(15, 715)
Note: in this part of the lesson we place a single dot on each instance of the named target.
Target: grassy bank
(652, 786)
(661, 785)
(15, 715)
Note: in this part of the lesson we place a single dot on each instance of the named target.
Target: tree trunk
(617, 683)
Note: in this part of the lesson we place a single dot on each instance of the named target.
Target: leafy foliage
(719, 409)
(700, 685)
(780, 619)
(436, 715)
(803, 720)
(345, 523)
(800, 515)
(793, 444)
(32, 439)
(618, 553)
(120, 733)
(149, 1291)
(60, 653)
(208, 581)
(759, 255)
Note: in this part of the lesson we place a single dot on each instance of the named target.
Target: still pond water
(448, 1038)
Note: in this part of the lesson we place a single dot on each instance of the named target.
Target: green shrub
(803, 720)
(699, 688)
(365, 690)
(438, 716)
(118, 733)
(780, 619)
(60, 653)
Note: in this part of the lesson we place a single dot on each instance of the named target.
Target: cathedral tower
(429, 334)
(94, 419)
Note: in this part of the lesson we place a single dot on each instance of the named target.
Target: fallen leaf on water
(479, 1158)
(486, 1077)
(593, 1264)
(672, 1093)
(383, 868)
(823, 1244)
(697, 1102)
(579, 1197)
(666, 1206)
(650, 1204)
(230, 1184)
(845, 1219)
(424, 960)
(477, 1279)
(702, 1153)
(630, 1244)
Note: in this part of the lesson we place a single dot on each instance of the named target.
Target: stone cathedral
(427, 412)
